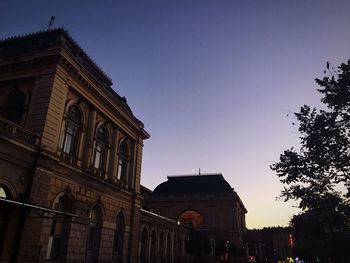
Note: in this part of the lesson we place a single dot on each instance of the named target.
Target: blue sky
(215, 82)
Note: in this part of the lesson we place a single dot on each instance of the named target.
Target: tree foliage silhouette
(318, 174)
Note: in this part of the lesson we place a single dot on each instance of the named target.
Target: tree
(318, 174)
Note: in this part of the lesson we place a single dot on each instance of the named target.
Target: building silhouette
(205, 203)
(70, 167)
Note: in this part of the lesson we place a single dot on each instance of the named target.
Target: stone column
(112, 159)
(89, 137)
(138, 163)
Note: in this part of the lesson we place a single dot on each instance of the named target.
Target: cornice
(56, 37)
(57, 44)
(26, 61)
(97, 89)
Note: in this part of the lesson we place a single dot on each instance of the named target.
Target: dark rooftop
(50, 37)
(193, 184)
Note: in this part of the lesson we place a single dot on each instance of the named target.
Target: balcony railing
(15, 131)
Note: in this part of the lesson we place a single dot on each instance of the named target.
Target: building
(203, 202)
(270, 244)
(70, 168)
(70, 156)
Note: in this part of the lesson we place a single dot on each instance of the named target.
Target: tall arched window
(72, 131)
(175, 249)
(154, 253)
(119, 239)
(144, 245)
(123, 156)
(168, 247)
(14, 107)
(95, 227)
(161, 247)
(180, 249)
(191, 218)
(3, 193)
(100, 148)
(4, 216)
(60, 228)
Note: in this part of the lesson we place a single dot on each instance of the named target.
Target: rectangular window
(120, 168)
(68, 140)
(98, 157)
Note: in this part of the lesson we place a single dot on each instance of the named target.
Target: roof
(49, 37)
(193, 184)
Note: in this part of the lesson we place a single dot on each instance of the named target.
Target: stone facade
(162, 240)
(70, 144)
(206, 203)
(70, 169)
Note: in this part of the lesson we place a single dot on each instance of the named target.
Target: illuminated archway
(191, 218)
(6, 217)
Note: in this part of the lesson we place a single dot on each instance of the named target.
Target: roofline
(98, 73)
(240, 201)
(194, 175)
(145, 188)
(65, 33)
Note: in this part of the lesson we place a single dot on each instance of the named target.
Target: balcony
(17, 132)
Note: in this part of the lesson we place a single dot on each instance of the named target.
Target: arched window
(180, 249)
(60, 228)
(144, 245)
(100, 148)
(169, 247)
(95, 227)
(2, 192)
(161, 247)
(14, 107)
(191, 218)
(154, 252)
(4, 216)
(119, 239)
(123, 157)
(72, 131)
(175, 248)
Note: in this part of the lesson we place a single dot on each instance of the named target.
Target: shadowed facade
(70, 156)
(70, 168)
(206, 203)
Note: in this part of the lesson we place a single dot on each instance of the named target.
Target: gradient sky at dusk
(215, 82)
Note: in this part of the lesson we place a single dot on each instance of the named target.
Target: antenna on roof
(199, 172)
(52, 19)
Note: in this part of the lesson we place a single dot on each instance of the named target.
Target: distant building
(270, 244)
(204, 202)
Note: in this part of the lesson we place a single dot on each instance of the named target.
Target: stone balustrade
(15, 131)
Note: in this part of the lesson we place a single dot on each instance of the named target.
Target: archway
(162, 247)
(95, 227)
(191, 218)
(168, 247)
(5, 213)
(14, 106)
(60, 229)
(144, 245)
(154, 254)
(119, 238)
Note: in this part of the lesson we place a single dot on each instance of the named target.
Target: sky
(215, 82)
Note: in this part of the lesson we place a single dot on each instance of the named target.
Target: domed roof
(193, 184)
